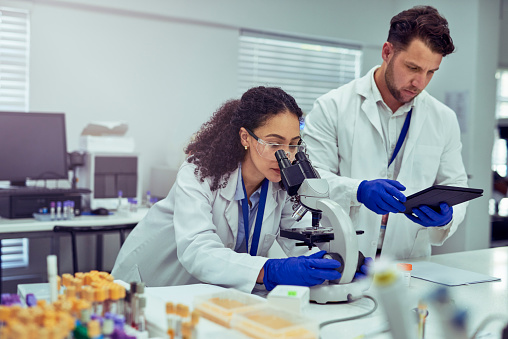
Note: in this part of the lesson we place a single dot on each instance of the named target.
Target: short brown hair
(424, 23)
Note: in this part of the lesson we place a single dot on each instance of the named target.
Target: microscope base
(337, 292)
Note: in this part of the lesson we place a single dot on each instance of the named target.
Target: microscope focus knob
(338, 257)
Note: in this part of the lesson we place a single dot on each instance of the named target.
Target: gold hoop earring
(246, 147)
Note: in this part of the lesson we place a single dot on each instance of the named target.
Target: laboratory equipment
(393, 298)
(266, 321)
(52, 274)
(219, 307)
(405, 269)
(106, 174)
(292, 298)
(331, 230)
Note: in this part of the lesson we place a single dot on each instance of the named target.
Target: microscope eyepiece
(282, 159)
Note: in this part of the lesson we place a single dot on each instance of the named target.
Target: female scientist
(226, 207)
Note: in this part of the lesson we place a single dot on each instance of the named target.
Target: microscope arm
(314, 195)
(345, 241)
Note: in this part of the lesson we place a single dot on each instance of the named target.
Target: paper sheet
(446, 275)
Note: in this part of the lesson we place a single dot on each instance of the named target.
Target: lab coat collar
(231, 210)
(364, 88)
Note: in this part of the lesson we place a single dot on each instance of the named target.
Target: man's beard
(390, 84)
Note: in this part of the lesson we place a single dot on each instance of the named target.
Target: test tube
(52, 277)
(58, 210)
(52, 210)
(107, 328)
(100, 297)
(141, 319)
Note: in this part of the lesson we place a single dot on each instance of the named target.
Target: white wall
(164, 66)
(503, 41)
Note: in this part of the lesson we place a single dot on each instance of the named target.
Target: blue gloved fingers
(359, 276)
(422, 213)
(382, 195)
(317, 255)
(428, 217)
(376, 209)
(445, 208)
(394, 188)
(364, 269)
(368, 261)
(390, 204)
(322, 263)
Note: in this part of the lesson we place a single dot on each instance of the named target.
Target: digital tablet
(436, 194)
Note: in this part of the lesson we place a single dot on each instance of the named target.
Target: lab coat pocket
(426, 160)
(421, 246)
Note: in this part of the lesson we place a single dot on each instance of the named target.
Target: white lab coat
(190, 237)
(346, 144)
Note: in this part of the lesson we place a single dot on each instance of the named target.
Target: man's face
(408, 72)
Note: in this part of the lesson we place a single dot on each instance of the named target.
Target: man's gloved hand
(302, 271)
(382, 196)
(427, 217)
(365, 268)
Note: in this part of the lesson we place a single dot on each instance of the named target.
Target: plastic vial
(58, 210)
(52, 210)
(405, 269)
(71, 209)
(148, 202)
(122, 208)
(119, 206)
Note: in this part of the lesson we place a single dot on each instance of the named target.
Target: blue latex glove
(364, 269)
(427, 217)
(301, 271)
(382, 196)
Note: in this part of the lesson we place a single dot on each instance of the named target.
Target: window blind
(502, 94)
(305, 68)
(14, 253)
(14, 60)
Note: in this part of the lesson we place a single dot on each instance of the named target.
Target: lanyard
(259, 217)
(402, 136)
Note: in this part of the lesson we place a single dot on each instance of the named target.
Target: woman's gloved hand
(427, 217)
(382, 196)
(301, 271)
(365, 268)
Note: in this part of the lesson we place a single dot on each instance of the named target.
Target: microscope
(331, 229)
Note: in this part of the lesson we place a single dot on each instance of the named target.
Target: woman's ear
(244, 136)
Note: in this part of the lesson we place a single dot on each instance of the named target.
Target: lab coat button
(373, 243)
(230, 245)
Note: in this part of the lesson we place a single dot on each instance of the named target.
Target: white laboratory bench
(481, 300)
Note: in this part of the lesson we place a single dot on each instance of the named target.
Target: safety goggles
(267, 150)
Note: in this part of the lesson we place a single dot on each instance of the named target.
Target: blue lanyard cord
(259, 217)
(402, 136)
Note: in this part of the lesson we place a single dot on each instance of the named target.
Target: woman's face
(284, 129)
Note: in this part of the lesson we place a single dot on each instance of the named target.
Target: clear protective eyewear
(267, 150)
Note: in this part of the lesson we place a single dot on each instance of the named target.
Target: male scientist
(383, 134)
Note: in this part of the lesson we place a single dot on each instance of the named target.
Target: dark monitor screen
(32, 146)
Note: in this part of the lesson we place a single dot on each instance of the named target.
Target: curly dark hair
(424, 23)
(216, 149)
